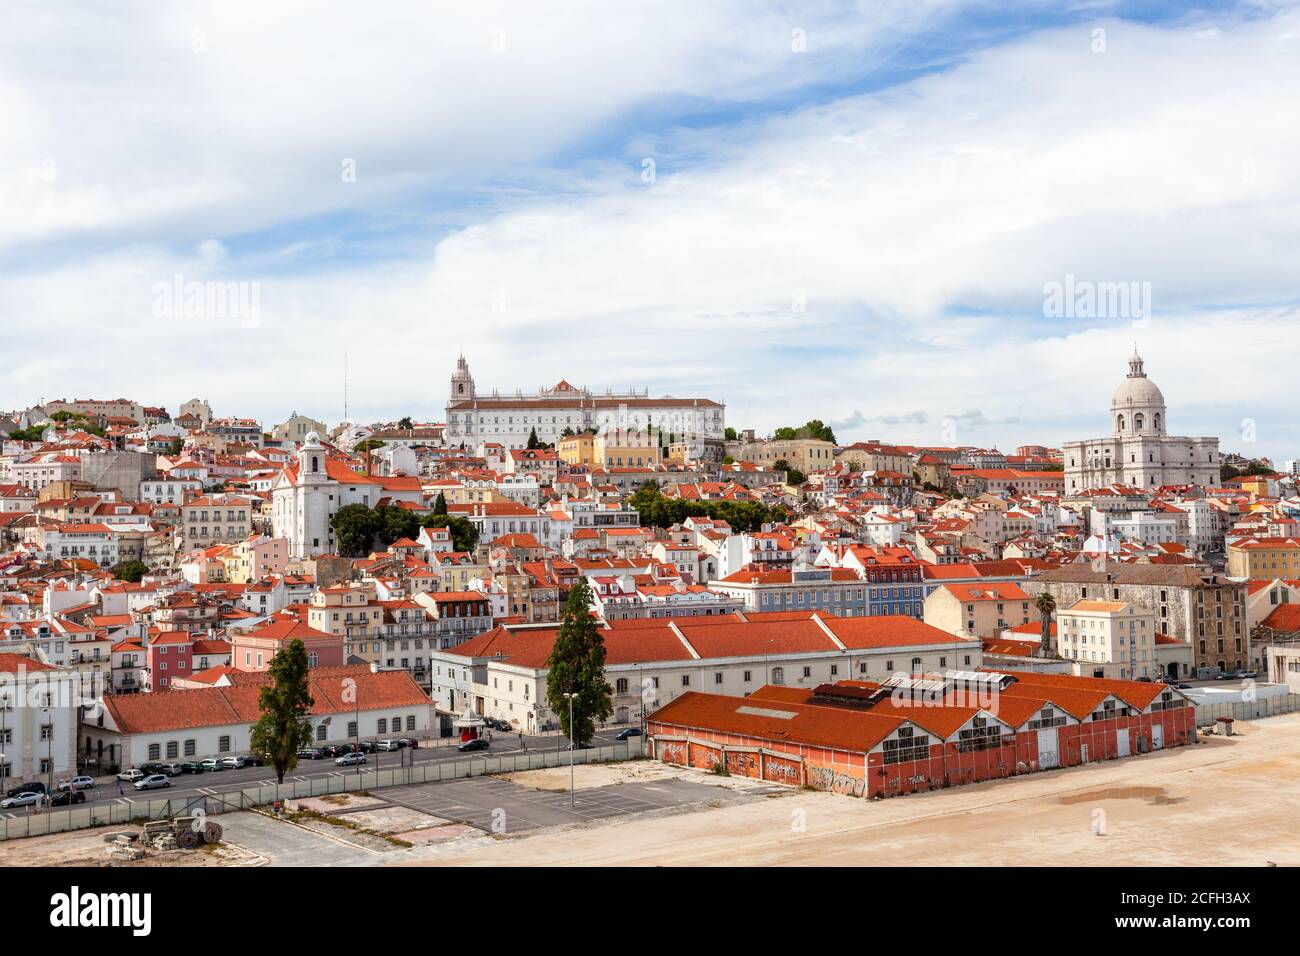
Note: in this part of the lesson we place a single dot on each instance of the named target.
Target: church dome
(1138, 407)
(1137, 392)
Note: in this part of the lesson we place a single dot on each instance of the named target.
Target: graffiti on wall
(828, 778)
(781, 771)
(742, 764)
(672, 751)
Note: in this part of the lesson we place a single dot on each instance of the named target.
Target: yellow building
(615, 448)
(577, 449)
(804, 454)
(978, 610)
(1262, 559)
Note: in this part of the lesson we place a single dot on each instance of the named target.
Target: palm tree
(1046, 605)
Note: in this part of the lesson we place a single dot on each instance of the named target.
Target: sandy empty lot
(1223, 802)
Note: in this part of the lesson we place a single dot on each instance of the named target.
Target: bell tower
(462, 383)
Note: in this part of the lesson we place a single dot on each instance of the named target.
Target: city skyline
(811, 195)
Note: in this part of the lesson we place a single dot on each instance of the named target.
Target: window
(352, 728)
(778, 675)
(173, 749)
(190, 746)
(410, 720)
(321, 730)
(383, 725)
(620, 685)
(686, 680)
(155, 751)
(223, 744)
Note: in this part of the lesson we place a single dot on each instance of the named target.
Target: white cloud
(870, 260)
(137, 119)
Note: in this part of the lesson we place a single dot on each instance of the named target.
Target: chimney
(374, 667)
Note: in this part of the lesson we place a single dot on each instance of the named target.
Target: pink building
(253, 650)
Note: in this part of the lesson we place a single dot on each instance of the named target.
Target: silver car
(23, 799)
(153, 782)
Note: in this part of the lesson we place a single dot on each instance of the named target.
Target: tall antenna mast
(345, 385)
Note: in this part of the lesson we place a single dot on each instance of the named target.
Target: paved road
(194, 786)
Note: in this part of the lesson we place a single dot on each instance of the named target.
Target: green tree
(729, 434)
(397, 523)
(370, 444)
(405, 422)
(1046, 606)
(131, 571)
(814, 428)
(175, 448)
(440, 504)
(533, 441)
(283, 729)
(355, 528)
(577, 666)
(464, 533)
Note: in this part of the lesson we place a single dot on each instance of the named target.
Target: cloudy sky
(856, 212)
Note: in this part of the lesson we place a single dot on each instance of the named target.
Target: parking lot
(499, 806)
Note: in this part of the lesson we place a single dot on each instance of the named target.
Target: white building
(1140, 453)
(217, 721)
(502, 673)
(473, 418)
(39, 705)
(309, 492)
(1113, 639)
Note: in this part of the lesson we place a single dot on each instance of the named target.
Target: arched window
(1119, 424)
(1157, 422)
(916, 665)
(1137, 422)
(778, 675)
(620, 685)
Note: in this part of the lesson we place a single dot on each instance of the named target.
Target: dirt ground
(87, 848)
(1223, 802)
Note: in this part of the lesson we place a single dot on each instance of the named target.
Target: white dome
(1137, 393)
(1138, 408)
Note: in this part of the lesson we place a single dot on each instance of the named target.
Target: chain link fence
(119, 813)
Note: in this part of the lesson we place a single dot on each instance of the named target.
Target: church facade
(1139, 452)
(308, 493)
(473, 418)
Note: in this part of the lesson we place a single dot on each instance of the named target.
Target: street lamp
(569, 698)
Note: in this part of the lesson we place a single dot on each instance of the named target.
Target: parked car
(151, 767)
(212, 764)
(388, 745)
(579, 746)
(130, 776)
(409, 742)
(311, 753)
(24, 799)
(192, 766)
(153, 782)
(1226, 676)
(629, 732)
(350, 760)
(67, 798)
(367, 746)
(478, 743)
(172, 769)
(234, 763)
(1246, 675)
(499, 724)
(1182, 686)
(34, 787)
(76, 783)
